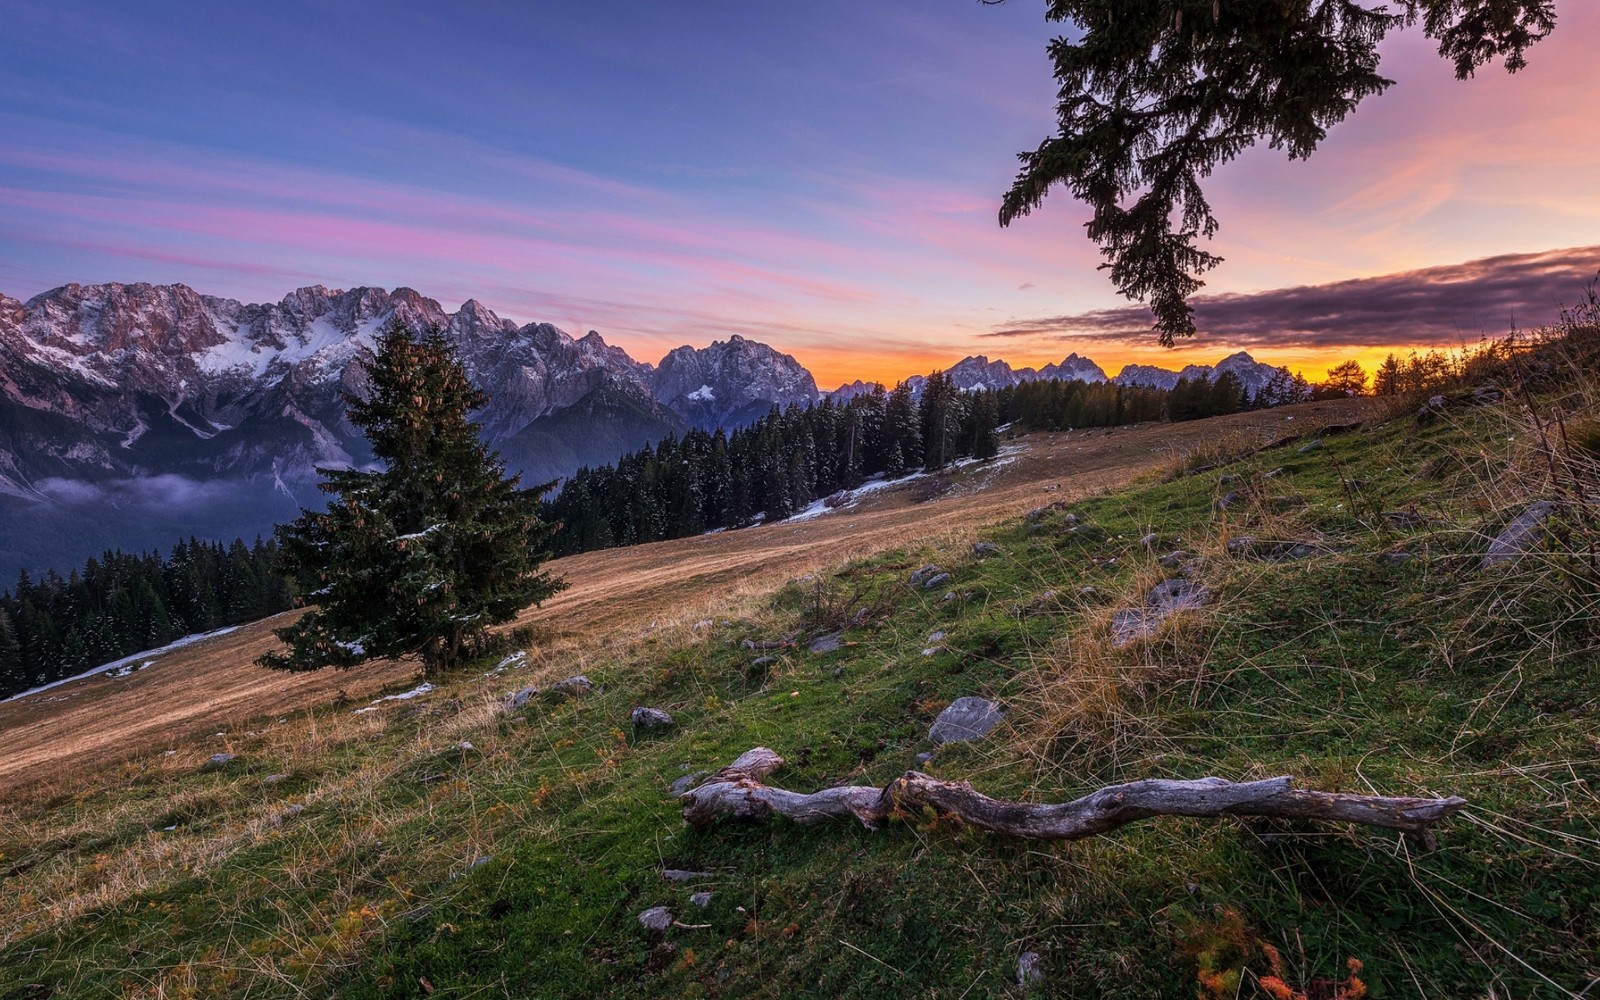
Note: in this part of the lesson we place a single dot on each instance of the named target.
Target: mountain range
(132, 415)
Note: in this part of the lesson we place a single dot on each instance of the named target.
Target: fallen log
(737, 792)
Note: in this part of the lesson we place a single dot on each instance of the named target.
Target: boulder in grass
(985, 549)
(1163, 600)
(649, 718)
(937, 581)
(968, 718)
(1029, 971)
(827, 643)
(1518, 536)
(575, 685)
(219, 759)
(921, 577)
(656, 920)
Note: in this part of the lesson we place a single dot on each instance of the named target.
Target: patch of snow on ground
(416, 692)
(116, 665)
(703, 394)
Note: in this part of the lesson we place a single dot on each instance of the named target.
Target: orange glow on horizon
(834, 367)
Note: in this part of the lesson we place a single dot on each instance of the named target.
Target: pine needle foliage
(420, 558)
(1155, 94)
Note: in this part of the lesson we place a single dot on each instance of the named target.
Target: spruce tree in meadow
(421, 557)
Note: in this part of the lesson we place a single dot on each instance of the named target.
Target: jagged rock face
(1252, 373)
(850, 390)
(730, 384)
(122, 404)
(1073, 368)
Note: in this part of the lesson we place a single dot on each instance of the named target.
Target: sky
(824, 177)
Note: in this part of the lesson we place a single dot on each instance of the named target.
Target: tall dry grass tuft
(1538, 450)
(1086, 713)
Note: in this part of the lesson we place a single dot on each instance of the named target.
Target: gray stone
(1273, 550)
(938, 580)
(574, 685)
(684, 875)
(935, 636)
(827, 643)
(1164, 599)
(1149, 541)
(762, 661)
(520, 698)
(1309, 447)
(1174, 558)
(924, 757)
(273, 779)
(985, 549)
(1028, 969)
(922, 576)
(1274, 473)
(218, 759)
(650, 718)
(701, 899)
(657, 919)
(687, 782)
(1229, 499)
(1519, 536)
(965, 719)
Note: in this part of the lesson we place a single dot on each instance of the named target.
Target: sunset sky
(824, 177)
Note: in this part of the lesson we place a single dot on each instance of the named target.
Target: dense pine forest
(789, 459)
(121, 604)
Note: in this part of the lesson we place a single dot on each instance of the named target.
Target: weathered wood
(737, 792)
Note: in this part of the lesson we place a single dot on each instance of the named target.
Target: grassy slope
(517, 866)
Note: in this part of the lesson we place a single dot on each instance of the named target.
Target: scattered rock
(949, 596)
(288, 813)
(520, 698)
(684, 875)
(938, 580)
(650, 718)
(924, 757)
(1273, 473)
(1394, 558)
(465, 745)
(1227, 480)
(1519, 536)
(273, 779)
(827, 643)
(688, 781)
(1309, 447)
(935, 636)
(762, 661)
(1173, 558)
(965, 719)
(701, 899)
(1070, 520)
(1149, 541)
(1273, 550)
(1229, 499)
(985, 549)
(575, 685)
(656, 920)
(218, 759)
(921, 577)
(1028, 969)
(930, 651)
(1163, 600)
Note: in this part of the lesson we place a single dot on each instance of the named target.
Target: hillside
(449, 845)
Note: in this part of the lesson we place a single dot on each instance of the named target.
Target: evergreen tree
(423, 556)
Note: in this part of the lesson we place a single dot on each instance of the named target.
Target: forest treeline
(123, 603)
(791, 458)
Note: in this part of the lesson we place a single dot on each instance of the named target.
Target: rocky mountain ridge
(135, 414)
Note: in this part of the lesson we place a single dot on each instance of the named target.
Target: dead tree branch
(737, 792)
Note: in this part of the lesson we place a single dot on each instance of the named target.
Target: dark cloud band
(1450, 304)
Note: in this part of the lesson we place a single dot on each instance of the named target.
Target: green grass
(518, 867)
